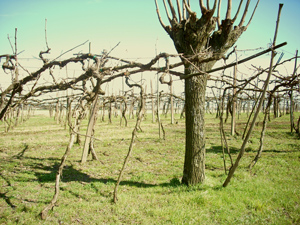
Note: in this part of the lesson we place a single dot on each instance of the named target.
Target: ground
(150, 192)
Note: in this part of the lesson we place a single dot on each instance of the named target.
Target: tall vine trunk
(194, 162)
(207, 39)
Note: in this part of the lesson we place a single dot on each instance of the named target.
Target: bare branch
(245, 13)
(179, 11)
(202, 7)
(137, 126)
(11, 44)
(241, 153)
(218, 15)
(107, 54)
(167, 12)
(193, 14)
(48, 49)
(239, 62)
(207, 4)
(8, 64)
(70, 50)
(212, 11)
(16, 43)
(24, 68)
(252, 14)
(46, 34)
(159, 17)
(16, 71)
(229, 6)
(184, 10)
(172, 10)
(237, 12)
(44, 52)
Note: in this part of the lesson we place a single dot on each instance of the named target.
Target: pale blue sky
(103, 22)
(134, 23)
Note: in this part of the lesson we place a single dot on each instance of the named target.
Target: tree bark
(200, 39)
(56, 112)
(262, 135)
(152, 103)
(89, 131)
(172, 103)
(194, 162)
(233, 116)
(133, 136)
(242, 151)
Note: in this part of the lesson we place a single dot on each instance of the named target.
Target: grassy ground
(150, 192)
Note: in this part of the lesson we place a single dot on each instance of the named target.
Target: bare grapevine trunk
(194, 163)
(207, 39)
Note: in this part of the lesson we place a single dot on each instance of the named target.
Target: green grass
(150, 192)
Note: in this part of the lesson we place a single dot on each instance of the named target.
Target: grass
(150, 192)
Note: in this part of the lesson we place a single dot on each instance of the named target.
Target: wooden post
(89, 131)
(152, 102)
(68, 101)
(233, 116)
(22, 114)
(57, 112)
(292, 97)
(172, 102)
(242, 151)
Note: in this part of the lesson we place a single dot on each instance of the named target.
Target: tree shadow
(45, 171)
(218, 149)
(71, 174)
(7, 200)
(294, 146)
(4, 196)
(21, 154)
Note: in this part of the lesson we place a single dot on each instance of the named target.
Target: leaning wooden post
(57, 110)
(152, 103)
(242, 151)
(137, 126)
(74, 130)
(67, 112)
(233, 116)
(262, 135)
(89, 131)
(172, 102)
(292, 97)
(22, 114)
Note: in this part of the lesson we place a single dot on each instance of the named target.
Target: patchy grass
(150, 192)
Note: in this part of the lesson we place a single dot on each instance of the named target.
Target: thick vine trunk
(194, 163)
(89, 132)
(198, 36)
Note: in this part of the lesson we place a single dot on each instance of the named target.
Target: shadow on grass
(218, 149)
(4, 195)
(21, 154)
(45, 172)
(293, 146)
(72, 174)
(7, 199)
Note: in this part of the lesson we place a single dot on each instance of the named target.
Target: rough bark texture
(89, 131)
(194, 163)
(198, 40)
(194, 40)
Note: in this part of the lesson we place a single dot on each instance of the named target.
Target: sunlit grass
(150, 192)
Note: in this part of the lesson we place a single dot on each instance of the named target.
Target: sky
(133, 23)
